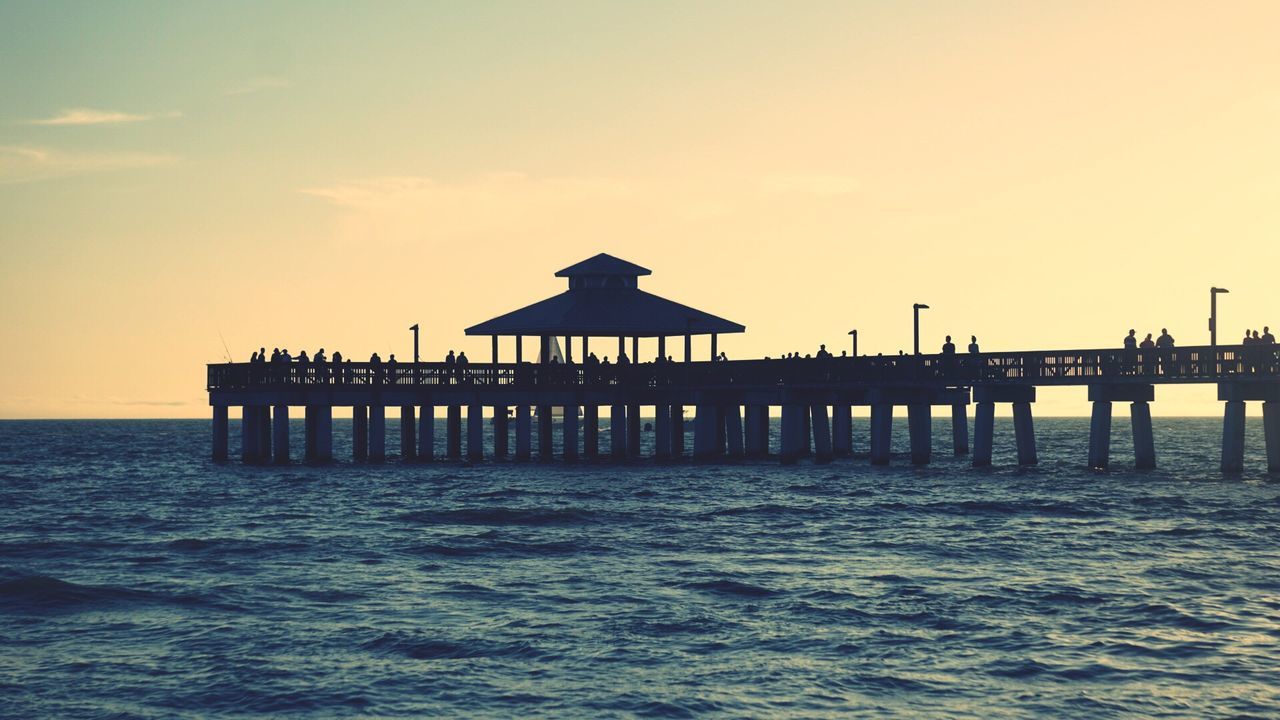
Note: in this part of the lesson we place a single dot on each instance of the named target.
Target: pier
(732, 400)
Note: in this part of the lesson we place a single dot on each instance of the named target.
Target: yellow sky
(1042, 174)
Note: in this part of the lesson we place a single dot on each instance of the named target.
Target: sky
(304, 175)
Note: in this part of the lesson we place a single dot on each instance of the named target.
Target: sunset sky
(326, 174)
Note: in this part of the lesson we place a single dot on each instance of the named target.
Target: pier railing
(1038, 367)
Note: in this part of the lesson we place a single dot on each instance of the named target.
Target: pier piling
(377, 433)
(524, 432)
(426, 432)
(960, 429)
(220, 433)
(1100, 435)
(280, 426)
(920, 428)
(984, 426)
(408, 433)
(475, 432)
(881, 433)
(453, 432)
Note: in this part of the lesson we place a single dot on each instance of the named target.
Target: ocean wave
(502, 516)
(419, 647)
(38, 592)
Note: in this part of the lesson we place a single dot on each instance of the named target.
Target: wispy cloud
(91, 116)
(19, 164)
(408, 208)
(258, 84)
(819, 185)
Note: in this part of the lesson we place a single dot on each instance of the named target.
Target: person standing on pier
(450, 366)
(339, 373)
(1164, 350)
(462, 367)
(1131, 352)
(1148, 347)
(322, 368)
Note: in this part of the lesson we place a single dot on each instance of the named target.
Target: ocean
(140, 580)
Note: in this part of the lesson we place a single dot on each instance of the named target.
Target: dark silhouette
(1131, 352)
(973, 345)
(1148, 347)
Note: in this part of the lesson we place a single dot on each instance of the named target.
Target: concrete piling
(1024, 433)
(426, 432)
(524, 433)
(324, 434)
(960, 429)
(792, 430)
(662, 431)
(821, 433)
(264, 433)
(1233, 437)
(920, 429)
(591, 431)
(1144, 446)
(408, 433)
(1271, 429)
(475, 432)
(280, 441)
(249, 435)
(360, 432)
(569, 429)
(984, 426)
(501, 432)
(841, 430)
(377, 433)
(546, 439)
(704, 432)
(633, 430)
(618, 431)
(220, 423)
(677, 431)
(1100, 435)
(453, 432)
(881, 433)
(732, 415)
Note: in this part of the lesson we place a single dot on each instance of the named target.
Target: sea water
(140, 580)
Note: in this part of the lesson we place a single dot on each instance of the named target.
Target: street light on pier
(414, 328)
(1213, 315)
(916, 308)
(854, 333)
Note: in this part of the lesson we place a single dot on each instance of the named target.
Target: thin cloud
(19, 164)
(90, 116)
(818, 185)
(258, 84)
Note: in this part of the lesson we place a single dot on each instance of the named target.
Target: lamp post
(915, 311)
(1213, 315)
(854, 333)
(414, 328)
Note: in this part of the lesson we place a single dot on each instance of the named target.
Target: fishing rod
(227, 350)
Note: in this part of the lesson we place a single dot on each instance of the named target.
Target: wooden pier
(732, 400)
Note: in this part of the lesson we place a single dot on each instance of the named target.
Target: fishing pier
(732, 400)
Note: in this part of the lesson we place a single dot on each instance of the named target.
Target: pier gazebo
(604, 300)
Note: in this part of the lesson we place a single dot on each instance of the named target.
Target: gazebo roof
(604, 264)
(605, 309)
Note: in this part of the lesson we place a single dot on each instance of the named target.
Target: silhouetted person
(1148, 347)
(304, 367)
(822, 352)
(725, 358)
(1131, 352)
(462, 367)
(948, 347)
(973, 345)
(322, 369)
(1267, 337)
(339, 373)
(623, 359)
(1164, 350)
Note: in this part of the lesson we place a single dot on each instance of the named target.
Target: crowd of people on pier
(1147, 356)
